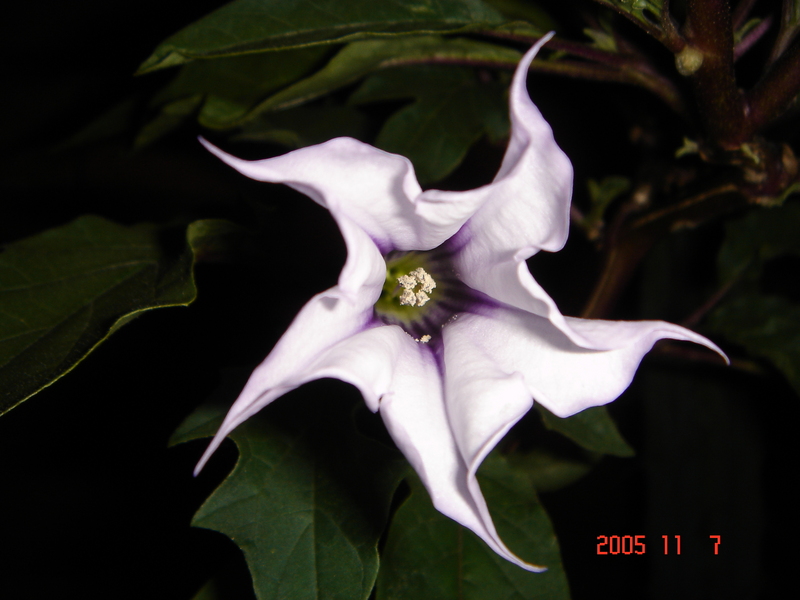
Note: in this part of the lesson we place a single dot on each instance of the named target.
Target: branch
(667, 35)
(787, 31)
(741, 13)
(604, 66)
(639, 235)
(709, 32)
(771, 96)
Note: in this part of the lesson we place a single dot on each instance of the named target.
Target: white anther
(417, 278)
(424, 279)
(407, 282)
(408, 298)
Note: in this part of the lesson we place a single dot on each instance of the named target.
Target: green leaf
(307, 501)
(766, 326)
(639, 9)
(171, 116)
(361, 58)
(305, 126)
(247, 26)
(64, 291)
(593, 429)
(452, 109)
(219, 240)
(428, 555)
(525, 10)
(222, 91)
(602, 194)
(549, 472)
(761, 235)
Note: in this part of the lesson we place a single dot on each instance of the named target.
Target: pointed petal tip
(696, 338)
(525, 62)
(223, 156)
(202, 462)
(712, 346)
(212, 447)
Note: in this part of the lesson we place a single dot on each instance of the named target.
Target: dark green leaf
(428, 555)
(602, 194)
(222, 91)
(307, 501)
(592, 428)
(451, 111)
(767, 326)
(761, 235)
(646, 12)
(547, 471)
(361, 58)
(525, 10)
(171, 116)
(218, 240)
(64, 291)
(248, 26)
(305, 125)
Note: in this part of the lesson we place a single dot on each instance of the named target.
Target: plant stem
(772, 95)
(638, 236)
(709, 304)
(787, 31)
(669, 350)
(668, 37)
(657, 84)
(708, 29)
(604, 66)
(672, 37)
(751, 38)
(741, 13)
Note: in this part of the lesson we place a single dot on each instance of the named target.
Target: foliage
(111, 209)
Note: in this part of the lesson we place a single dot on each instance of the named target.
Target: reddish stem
(741, 13)
(776, 90)
(751, 38)
(638, 236)
(708, 29)
(608, 66)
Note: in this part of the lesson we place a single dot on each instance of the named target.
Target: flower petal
(525, 209)
(484, 400)
(417, 419)
(377, 190)
(327, 319)
(527, 204)
(562, 376)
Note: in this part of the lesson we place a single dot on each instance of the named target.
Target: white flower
(436, 318)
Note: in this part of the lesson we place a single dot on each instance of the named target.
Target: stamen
(418, 278)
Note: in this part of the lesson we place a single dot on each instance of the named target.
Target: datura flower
(436, 318)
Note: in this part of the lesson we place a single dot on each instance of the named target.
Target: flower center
(416, 287)
(421, 293)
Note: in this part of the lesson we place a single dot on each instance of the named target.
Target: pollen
(416, 287)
